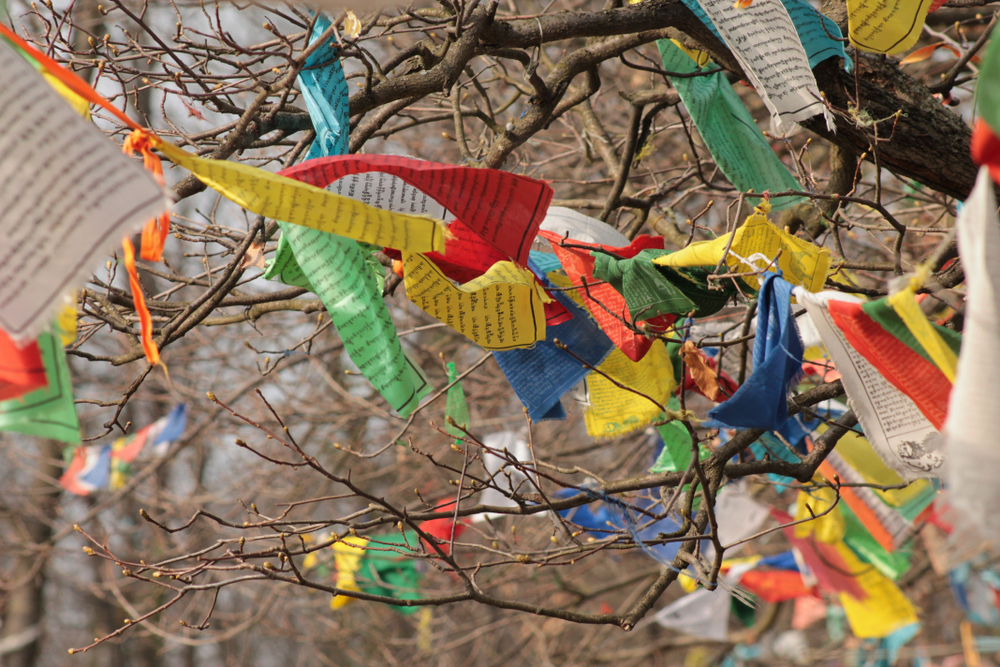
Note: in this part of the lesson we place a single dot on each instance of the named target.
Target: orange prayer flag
(145, 321)
(154, 234)
(703, 375)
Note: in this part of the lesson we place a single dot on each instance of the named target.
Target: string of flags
(599, 308)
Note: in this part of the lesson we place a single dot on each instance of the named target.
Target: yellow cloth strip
(347, 555)
(905, 304)
(500, 310)
(288, 200)
(801, 262)
(614, 411)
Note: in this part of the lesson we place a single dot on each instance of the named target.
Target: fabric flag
(773, 586)
(156, 438)
(604, 302)
(542, 374)
(907, 369)
(886, 26)
(738, 515)
(48, 412)
(613, 411)
(442, 530)
(985, 148)
(347, 556)
(89, 470)
(755, 244)
(703, 613)
(500, 310)
(763, 38)
(456, 406)
(102, 466)
(389, 570)
(288, 200)
(505, 476)
(973, 418)
(502, 208)
(729, 131)
(762, 401)
(650, 290)
(881, 607)
(987, 95)
(905, 304)
(897, 430)
(337, 269)
(21, 367)
(579, 227)
(675, 456)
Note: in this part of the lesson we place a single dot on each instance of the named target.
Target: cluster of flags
(106, 466)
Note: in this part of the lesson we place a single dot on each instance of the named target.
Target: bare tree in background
(201, 558)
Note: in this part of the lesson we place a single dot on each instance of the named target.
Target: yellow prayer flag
(905, 304)
(347, 556)
(614, 411)
(500, 310)
(886, 26)
(700, 58)
(884, 610)
(757, 242)
(288, 200)
(80, 105)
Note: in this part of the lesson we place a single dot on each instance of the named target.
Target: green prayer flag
(335, 269)
(48, 412)
(988, 86)
(736, 143)
(456, 406)
(886, 317)
(856, 536)
(676, 453)
(650, 290)
(386, 572)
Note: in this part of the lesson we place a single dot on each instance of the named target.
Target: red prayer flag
(21, 368)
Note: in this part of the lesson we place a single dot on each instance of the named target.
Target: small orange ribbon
(145, 321)
(154, 234)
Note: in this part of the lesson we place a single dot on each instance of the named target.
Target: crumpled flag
(541, 375)
(762, 401)
(885, 347)
(675, 456)
(579, 266)
(755, 244)
(502, 208)
(345, 276)
(704, 375)
(456, 406)
(286, 199)
(386, 569)
(500, 310)
(347, 556)
(614, 411)
(48, 412)
(21, 367)
(652, 290)
(973, 421)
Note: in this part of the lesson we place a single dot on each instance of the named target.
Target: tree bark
(24, 608)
